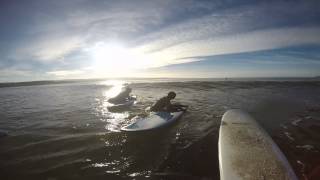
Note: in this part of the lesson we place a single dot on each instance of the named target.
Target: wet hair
(172, 94)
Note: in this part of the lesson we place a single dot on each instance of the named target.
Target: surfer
(122, 96)
(164, 104)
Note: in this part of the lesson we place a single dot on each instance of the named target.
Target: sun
(115, 58)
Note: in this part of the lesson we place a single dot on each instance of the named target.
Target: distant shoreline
(32, 83)
(48, 82)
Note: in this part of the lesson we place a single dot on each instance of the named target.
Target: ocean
(64, 130)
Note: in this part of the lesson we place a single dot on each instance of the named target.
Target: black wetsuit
(162, 104)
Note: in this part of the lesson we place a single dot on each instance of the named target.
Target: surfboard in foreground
(153, 121)
(247, 152)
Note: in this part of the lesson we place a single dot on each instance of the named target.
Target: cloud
(12, 71)
(73, 26)
(66, 73)
(230, 21)
(153, 27)
(13, 74)
(239, 43)
(56, 34)
(51, 48)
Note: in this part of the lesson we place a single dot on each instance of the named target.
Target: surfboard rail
(154, 121)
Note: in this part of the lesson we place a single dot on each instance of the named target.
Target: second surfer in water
(122, 97)
(164, 104)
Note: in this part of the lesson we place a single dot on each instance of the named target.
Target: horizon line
(119, 78)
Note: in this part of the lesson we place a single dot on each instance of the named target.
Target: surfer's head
(171, 95)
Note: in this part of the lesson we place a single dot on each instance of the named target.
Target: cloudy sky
(42, 39)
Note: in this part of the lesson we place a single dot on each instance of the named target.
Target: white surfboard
(247, 152)
(153, 121)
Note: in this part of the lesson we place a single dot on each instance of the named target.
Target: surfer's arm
(179, 107)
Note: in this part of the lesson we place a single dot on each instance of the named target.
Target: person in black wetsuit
(164, 104)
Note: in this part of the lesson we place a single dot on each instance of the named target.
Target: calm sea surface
(65, 131)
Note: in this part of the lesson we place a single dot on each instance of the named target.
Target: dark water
(65, 131)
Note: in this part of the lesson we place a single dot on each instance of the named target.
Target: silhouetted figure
(122, 97)
(164, 104)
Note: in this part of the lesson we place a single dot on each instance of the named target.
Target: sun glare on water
(116, 87)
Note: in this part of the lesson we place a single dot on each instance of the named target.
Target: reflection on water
(116, 86)
(113, 119)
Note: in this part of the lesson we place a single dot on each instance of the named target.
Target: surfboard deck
(153, 121)
(247, 152)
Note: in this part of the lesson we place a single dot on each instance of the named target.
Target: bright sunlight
(116, 58)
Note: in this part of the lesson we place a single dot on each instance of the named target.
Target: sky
(80, 39)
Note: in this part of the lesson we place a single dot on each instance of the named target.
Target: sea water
(65, 130)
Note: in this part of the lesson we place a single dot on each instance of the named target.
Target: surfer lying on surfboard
(164, 104)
